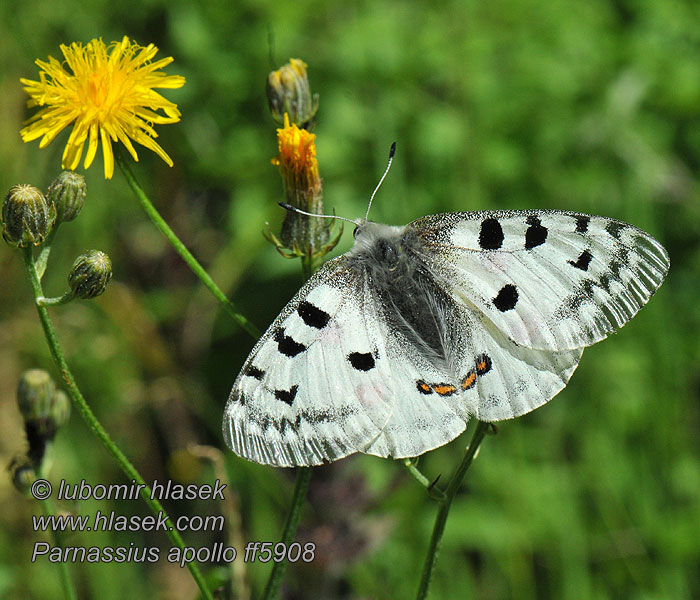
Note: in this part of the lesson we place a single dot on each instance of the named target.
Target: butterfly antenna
(388, 165)
(291, 208)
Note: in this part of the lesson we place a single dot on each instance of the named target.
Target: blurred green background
(591, 107)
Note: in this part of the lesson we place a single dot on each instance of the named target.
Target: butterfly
(392, 347)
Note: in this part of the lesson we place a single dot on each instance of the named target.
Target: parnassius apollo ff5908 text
(392, 347)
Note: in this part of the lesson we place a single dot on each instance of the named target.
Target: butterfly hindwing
(551, 280)
(495, 379)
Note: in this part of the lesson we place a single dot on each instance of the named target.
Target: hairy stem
(443, 511)
(91, 420)
(181, 249)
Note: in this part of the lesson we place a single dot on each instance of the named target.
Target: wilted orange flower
(297, 157)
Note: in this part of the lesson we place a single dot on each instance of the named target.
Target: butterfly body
(390, 348)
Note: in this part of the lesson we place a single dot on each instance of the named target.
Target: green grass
(510, 104)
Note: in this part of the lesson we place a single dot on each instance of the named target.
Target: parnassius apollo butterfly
(392, 347)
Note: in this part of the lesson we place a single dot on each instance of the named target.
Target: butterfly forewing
(297, 400)
(550, 280)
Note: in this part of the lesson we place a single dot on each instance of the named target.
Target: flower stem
(290, 527)
(66, 579)
(182, 250)
(92, 422)
(430, 486)
(441, 519)
(67, 297)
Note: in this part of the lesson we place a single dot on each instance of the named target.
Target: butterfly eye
(354, 232)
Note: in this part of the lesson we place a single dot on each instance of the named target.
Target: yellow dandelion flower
(108, 93)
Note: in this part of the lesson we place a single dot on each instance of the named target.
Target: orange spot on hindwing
(483, 365)
(423, 387)
(469, 380)
(444, 389)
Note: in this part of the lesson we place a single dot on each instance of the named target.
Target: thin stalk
(430, 486)
(92, 422)
(65, 299)
(66, 579)
(441, 519)
(50, 511)
(181, 249)
(290, 527)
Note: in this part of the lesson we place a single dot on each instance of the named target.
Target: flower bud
(60, 410)
(90, 274)
(27, 217)
(35, 394)
(43, 408)
(22, 473)
(303, 189)
(288, 91)
(67, 193)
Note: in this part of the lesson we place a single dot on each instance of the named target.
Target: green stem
(433, 490)
(92, 422)
(441, 519)
(307, 266)
(67, 297)
(290, 527)
(182, 250)
(66, 579)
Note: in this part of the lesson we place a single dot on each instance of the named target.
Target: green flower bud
(44, 409)
(27, 217)
(67, 193)
(35, 394)
(60, 411)
(288, 91)
(22, 473)
(90, 274)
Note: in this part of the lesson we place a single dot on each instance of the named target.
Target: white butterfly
(392, 347)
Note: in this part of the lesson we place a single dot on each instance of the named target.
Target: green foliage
(590, 106)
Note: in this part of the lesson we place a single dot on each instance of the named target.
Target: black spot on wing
(254, 372)
(536, 233)
(622, 254)
(507, 298)
(362, 361)
(583, 261)
(614, 228)
(483, 364)
(615, 268)
(312, 315)
(286, 345)
(287, 396)
(582, 294)
(582, 222)
(491, 234)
